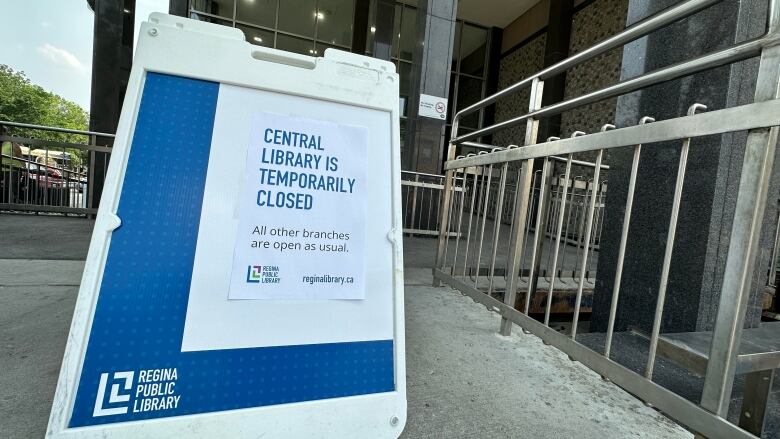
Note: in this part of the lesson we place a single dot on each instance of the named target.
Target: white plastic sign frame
(117, 379)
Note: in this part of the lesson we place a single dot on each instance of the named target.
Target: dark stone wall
(711, 178)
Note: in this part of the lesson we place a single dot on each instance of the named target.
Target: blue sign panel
(134, 367)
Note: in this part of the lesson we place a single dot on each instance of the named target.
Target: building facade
(309, 27)
(488, 47)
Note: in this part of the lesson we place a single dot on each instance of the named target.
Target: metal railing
(421, 196)
(502, 164)
(476, 193)
(54, 176)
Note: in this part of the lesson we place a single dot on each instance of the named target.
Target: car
(45, 176)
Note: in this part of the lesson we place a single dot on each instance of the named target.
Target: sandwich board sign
(244, 277)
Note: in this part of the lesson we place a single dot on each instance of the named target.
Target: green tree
(24, 102)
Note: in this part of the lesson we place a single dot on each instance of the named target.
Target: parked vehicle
(45, 177)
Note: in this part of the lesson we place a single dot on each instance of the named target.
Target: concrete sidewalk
(35, 315)
(48, 237)
(467, 381)
(464, 380)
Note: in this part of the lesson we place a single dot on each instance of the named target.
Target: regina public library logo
(115, 397)
(266, 274)
(153, 390)
(253, 274)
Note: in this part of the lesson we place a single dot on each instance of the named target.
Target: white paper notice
(302, 211)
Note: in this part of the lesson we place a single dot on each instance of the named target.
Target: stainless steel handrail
(745, 117)
(631, 33)
(739, 52)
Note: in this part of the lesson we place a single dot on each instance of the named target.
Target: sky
(51, 42)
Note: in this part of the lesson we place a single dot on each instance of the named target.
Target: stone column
(360, 27)
(178, 7)
(430, 75)
(383, 36)
(711, 180)
(112, 56)
(556, 49)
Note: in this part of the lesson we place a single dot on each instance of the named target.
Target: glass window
(469, 92)
(396, 30)
(223, 8)
(335, 24)
(298, 16)
(257, 36)
(320, 47)
(408, 37)
(452, 97)
(257, 12)
(405, 85)
(207, 19)
(403, 130)
(473, 48)
(456, 46)
(293, 44)
(371, 28)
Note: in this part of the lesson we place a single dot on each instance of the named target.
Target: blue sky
(51, 42)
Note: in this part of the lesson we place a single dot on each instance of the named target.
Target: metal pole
(449, 220)
(517, 240)
(497, 224)
(588, 230)
(561, 211)
(740, 261)
(623, 241)
(773, 262)
(477, 242)
(541, 211)
(414, 202)
(527, 226)
(512, 219)
(484, 220)
(555, 204)
(445, 206)
(460, 221)
(659, 305)
(473, 197)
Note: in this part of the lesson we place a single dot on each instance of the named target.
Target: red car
(45, 177)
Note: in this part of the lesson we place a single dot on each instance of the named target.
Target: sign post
(245, 274)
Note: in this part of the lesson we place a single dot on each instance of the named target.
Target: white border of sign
(188, 48)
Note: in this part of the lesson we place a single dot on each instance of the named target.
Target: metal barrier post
(623, 241)
(497, 224)
(540, 230)
(667, 262)
(91, 173)
(517, 240)
(444, 224)
(414, 202)
(588, 231)
(748, 216)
